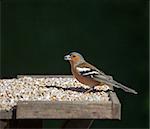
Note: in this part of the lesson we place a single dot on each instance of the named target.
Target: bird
(89, 75)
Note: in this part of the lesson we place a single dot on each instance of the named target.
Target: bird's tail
(116, 84)
(119, 85)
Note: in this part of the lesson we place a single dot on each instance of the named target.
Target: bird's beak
(67, 57)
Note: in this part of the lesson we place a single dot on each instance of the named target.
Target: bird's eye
(73, 56)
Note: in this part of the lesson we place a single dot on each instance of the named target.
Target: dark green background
(112, 34)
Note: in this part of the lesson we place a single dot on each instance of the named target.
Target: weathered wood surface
(116, 106)
(63, 110)
(6, 114)
(3, 124)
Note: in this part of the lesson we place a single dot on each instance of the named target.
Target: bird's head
(74, 58)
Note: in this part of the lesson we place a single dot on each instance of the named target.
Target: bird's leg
(111, 88)
(92, 88)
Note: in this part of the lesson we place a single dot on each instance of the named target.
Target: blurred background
(111, 34)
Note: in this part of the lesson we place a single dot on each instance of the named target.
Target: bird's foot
(89, 90)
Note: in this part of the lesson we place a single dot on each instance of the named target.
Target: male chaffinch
(90, 75)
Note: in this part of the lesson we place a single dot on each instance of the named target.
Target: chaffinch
(90, 75)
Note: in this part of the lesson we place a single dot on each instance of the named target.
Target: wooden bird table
(37, 111)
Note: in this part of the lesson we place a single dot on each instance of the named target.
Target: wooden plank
(80, 124)
(63, 110)
(3, 124)
(116, 106)
(6, 114)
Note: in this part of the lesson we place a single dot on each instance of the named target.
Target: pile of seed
(47, 89)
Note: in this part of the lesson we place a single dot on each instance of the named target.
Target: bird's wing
(88, 70)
